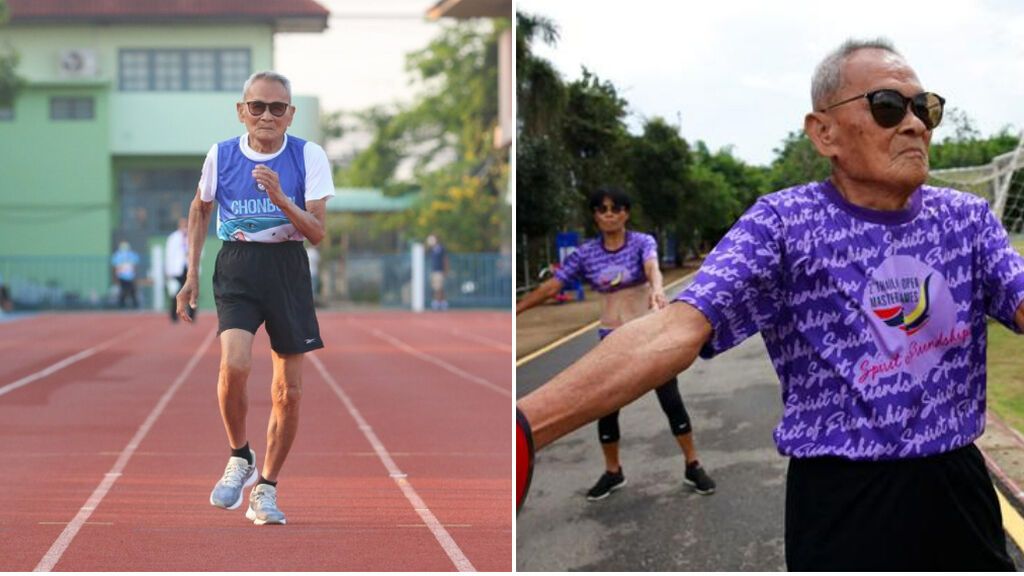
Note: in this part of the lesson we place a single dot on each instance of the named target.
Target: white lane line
(500, 346)
(64, 540)
(438, 362)
(64, 363)
(440, 534)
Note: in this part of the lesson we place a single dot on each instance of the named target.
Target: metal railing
(62, 282)
(481, 280)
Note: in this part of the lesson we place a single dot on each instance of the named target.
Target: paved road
(655, 523)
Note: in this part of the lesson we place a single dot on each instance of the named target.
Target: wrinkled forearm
(305, 222)
(198, 222)
(631, 361)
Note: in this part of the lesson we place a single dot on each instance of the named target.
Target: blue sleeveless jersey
(244, 211)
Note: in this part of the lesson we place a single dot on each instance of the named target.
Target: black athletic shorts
(922, 514)
(257, 282)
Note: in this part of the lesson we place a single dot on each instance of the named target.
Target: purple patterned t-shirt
(875, 321)
(606, 270)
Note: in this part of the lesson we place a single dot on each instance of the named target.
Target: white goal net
(1001, 182)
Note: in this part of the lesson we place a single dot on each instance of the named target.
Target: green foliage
(747, 182)
(448, 131)
(966, 147)
(544, 197)
(540, 93)
(10, 82)
(796, 162)
(714, 208)
(375, 166)
(594, 135)
(660, 162)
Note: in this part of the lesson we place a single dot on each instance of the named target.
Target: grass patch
(1006, 369)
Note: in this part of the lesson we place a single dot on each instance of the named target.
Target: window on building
(72, 108)
(166, 70)
(234, 66)
(6, 113)
(202, 70)
(134, 70)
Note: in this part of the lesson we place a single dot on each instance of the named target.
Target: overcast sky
(737, 72)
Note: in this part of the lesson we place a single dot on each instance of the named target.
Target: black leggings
(669, 398)
(671, 403)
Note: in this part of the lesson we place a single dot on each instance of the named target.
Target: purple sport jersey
(874, 321)
(606, 270)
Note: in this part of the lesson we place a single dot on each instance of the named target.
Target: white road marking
(440, 534)
(68, 535)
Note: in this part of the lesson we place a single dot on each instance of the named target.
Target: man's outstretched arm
(631, 361)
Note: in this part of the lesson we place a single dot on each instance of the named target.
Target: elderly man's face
(866, 152)
(265, 127)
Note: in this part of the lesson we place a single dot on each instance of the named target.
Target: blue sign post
(566, 242)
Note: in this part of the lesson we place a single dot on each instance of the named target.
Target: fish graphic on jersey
(256, 229)
(614, 276)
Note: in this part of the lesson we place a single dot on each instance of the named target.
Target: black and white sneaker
(608, 482)
(698, 479)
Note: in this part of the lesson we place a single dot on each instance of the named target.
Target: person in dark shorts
(271, 191)
(622, 267)
(872, 291)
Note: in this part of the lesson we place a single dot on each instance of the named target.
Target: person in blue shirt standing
(270, 191)
(125, 261)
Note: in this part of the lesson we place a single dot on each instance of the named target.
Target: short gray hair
(828, 75)
(267, 75)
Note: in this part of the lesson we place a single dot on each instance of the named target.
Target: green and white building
(106, 139)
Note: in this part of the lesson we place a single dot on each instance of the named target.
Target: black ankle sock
(263, 480)
(242, 452)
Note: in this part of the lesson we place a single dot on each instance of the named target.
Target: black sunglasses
(258, 107)
(888, 107)
(604, 208)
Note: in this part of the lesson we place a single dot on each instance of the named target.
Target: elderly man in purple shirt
(871, 291)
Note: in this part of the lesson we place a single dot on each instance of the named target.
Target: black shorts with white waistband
(257, 282)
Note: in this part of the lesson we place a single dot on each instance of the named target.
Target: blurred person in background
(125, 261)
(176, 266)
(314, 268)
(438, 269)
(6, 305)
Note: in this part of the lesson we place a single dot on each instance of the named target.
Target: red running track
(403, 459)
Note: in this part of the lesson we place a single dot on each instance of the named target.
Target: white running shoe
(238, 474)
(263, 506)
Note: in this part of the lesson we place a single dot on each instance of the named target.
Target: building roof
(463, 9)
(368, 200)
(285, 15)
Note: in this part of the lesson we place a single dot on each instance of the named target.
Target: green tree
(540, 93)
(747, 182)
(796, 162)
(10, 82)
(545, 201)
(660, 162)
(447, 133)
(595, 137)
(966, 147)
(713, 210)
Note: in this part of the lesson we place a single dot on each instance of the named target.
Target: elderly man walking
(871, 290)
(270, 191)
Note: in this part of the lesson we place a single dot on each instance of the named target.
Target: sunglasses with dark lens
(604, 208)
(888, 107)
(258, 107)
